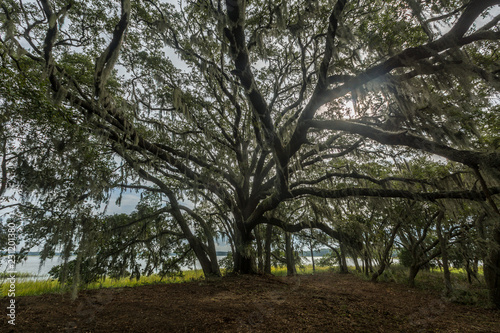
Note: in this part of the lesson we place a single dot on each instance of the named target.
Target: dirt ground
(321, 303)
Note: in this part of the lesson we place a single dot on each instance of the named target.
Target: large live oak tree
(272, 101)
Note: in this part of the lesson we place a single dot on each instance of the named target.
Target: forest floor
(326, 302)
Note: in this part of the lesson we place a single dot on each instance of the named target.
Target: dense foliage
(359, 125)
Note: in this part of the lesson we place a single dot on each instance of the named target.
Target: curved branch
(106, 61)
(390, 193)
(470, 158)
(406, 58)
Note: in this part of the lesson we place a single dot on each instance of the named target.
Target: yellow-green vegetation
(281, 270)
(26, 287)
(474, 293)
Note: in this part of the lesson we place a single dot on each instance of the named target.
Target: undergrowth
(463, 292)
(25, 287)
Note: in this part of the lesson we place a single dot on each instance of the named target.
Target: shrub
(327, 260)
(227, 263)
(405, 257)
(88, 274)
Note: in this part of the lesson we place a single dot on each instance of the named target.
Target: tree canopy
(229, 115)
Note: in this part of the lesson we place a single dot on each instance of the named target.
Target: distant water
(32, 265)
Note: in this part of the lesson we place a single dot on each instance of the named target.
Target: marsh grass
(26, 287)
(281, 271)
(33, 287)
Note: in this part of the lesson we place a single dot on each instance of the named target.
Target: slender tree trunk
(258, 238)
(312, 254)
(267, 262)
(356, 263)
(290, 259)
(312, 249)
(468, 270)
(443, 241)
(492, 268)
(384, 262)
(369, 262)
(337, 253)
(366, 263)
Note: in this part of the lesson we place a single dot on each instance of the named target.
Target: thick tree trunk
(210, 267)
(207, 256)
(412, 275)
(244, 259)
(290, 259)
(492, 268)
(212, 255)
(267, 262)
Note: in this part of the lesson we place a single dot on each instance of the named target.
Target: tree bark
(413, 274)
(443, 241)
(312, 253)
(210, 268)
(387, 252)
(356, 263)
(244, 260)
(492, 269)
(492, 262)
(366, 263)
(258, 238)
(290, 259)
(343, 261)
(267, 262)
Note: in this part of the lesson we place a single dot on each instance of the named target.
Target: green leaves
(241, 111)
